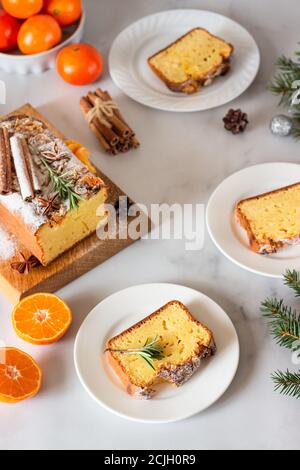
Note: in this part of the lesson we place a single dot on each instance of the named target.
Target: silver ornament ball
(281, 125)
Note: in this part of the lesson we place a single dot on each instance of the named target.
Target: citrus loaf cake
(192, 61)
(166, 346)
(48, 198)
(272, 220)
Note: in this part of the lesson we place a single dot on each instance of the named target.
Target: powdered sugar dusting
(14, 203)
(8, 246)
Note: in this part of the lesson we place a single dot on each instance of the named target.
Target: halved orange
(41, 318)
(20, 376)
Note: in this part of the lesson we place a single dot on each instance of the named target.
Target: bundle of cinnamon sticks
(106, 121)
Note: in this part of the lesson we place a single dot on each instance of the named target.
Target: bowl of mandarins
(32, 32)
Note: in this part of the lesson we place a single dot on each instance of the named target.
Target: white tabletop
(182, 159)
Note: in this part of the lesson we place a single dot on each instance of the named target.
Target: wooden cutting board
(83, 257)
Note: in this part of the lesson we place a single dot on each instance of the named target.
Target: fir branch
(287, 383)
(292, 280)
(285, 327)
(62, 186)
(283, 82)
(288, 65)
(284, 323)
(149, 352)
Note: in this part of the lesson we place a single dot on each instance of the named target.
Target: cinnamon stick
(108, 133)
(107, 97)
(21, 168)
(31, 168)
(101, 138)
(124, 148)
(5, 162)
(119, 126)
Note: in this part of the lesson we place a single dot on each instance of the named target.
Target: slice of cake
(272, 220)
(48, 198)
(168, 345)
(192, 61)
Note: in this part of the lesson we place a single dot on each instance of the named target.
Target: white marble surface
(182, 159)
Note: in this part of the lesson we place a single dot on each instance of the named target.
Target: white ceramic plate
(230, 238)
(125, 308)
(130, 71)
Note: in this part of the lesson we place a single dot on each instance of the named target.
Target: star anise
(25, 264)
(55, 154)
(49, 205)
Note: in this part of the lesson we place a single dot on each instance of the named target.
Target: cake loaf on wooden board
(193, 61)
(272, 219)
(53, 199)
(183, 341)
(81, 258)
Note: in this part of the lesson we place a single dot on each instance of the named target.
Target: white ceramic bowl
(37, 63)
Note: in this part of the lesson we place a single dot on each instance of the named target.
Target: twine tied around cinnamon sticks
(103, 110)
(108, 124)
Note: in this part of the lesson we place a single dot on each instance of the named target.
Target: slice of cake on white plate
(193, 61)
(271, 220)
(48, 198)
(168, 345)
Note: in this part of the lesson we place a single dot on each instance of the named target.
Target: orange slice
(20, 376)
(41, 318)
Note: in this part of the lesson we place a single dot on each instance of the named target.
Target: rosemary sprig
(287, 383)
(149, 352)
(62, 186)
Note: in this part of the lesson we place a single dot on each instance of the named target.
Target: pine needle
(284, 323)
(287, 383)
(292, 280)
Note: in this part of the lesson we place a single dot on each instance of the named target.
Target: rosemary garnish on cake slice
(63, 186)
(149, 352)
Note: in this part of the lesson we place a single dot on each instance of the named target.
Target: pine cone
(235, 121)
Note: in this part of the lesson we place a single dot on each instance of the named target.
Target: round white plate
(131, 49)
(227, 234)
(123, 309)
